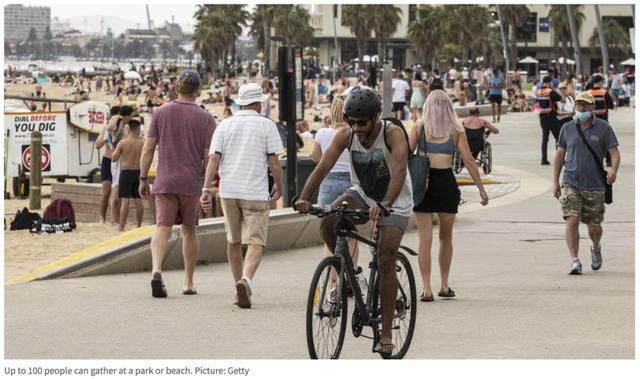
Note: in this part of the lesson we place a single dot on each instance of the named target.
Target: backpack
(60, 209)
(24, 220)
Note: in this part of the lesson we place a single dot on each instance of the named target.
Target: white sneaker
(596, 258)
(576, 268)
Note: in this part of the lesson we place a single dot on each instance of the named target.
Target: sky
(133, 11)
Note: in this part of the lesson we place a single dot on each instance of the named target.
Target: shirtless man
(130, 150)
(115, 133)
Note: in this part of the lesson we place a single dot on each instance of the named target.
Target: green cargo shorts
(588, 206)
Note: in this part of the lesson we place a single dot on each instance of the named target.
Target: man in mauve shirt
(182, 131)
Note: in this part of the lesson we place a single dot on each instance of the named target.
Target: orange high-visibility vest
(543, 97)
(600, 104)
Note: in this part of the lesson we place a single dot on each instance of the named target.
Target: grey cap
(190, 77)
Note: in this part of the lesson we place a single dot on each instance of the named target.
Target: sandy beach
(25, 251)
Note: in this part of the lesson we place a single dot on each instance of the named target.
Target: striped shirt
(244, 142)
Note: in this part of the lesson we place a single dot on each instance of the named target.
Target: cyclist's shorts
(393, 219)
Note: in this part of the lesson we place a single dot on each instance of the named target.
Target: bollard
(386, 79)
(35, 173)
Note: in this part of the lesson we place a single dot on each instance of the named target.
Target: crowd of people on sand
(228, 166)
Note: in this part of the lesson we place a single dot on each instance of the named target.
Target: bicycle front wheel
(404, 314)
(326, 311)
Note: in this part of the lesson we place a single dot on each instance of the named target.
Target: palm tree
(426, 32)
(217, 29)
(603, 41)
(574, 39)
(559, 21)
(292, 22)
(514, 16)
(262, 20)
(359, 18)
(385, 22)
(617, 37)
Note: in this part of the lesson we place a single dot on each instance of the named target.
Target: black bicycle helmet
(597, 78)
(361, 102)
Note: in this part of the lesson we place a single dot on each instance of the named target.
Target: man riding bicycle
(378, 154)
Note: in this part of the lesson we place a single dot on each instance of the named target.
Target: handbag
(419, 170)
(608, 193)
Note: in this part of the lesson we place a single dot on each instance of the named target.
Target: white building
(18, 21)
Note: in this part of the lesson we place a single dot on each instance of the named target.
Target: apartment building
(19, 19)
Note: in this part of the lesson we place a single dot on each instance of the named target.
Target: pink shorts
(172, 209)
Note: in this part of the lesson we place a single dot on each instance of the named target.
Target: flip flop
(190, 292)
(449, 293)
(426, 299)
(384, 348)
(157, 286)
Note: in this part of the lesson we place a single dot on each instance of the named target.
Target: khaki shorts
(588, 206)
(246, 221)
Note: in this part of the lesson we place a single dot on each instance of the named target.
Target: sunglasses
(352, 122)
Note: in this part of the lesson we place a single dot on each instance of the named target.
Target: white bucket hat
(249, 94)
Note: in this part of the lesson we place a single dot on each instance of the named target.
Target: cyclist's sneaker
(244, 293)
(576, 268)
(596, 258)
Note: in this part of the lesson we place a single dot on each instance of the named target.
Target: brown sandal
(157, 286)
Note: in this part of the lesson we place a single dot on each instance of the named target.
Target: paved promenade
(514, 297)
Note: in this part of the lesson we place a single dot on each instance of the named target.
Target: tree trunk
(266, 30)
(575, 41)
(360, 44)
(504, 39)
(603, 42)
(565, 54)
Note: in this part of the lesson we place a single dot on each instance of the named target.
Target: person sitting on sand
(130, 150)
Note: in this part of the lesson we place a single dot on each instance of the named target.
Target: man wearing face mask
(582, 190)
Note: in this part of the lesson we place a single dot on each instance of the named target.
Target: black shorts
(399, 106)
(105, 170)
(495, 99)
(150, 104)
(128, 184)
(443, 194)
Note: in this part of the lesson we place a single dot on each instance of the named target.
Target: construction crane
(149, 22)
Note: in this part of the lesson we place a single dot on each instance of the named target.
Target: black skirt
(443, 194)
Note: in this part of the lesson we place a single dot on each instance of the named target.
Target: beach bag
(24, 220)
(419, 170)
(60, 209)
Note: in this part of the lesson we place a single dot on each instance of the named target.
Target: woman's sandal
(191, 291)
(449, 293)
(426, 299)
(384, 348)
(157, 286)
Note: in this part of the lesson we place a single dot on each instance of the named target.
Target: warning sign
(45, 165)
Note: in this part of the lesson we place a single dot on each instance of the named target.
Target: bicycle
(327, 299)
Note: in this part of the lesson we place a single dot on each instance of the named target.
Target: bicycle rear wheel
(326, 311)
(487, 159)
(404, 315)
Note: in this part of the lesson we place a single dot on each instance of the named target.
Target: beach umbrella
(629, 62)
(528, 60)
(561, 60)
(132, 75)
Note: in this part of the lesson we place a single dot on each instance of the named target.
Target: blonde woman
(339, 179)
(442, 134)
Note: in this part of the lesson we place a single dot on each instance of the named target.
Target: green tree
(559, 22)
(261, 23)
(617, 38)
(514, 16)
(292, 22)
(217, 29)
(385, 22)
(32, 42)
(426, 32)
(359, 19)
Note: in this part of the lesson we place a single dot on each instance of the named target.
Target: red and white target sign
(45, 164)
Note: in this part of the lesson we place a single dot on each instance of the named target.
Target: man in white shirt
(242, 148)
(400, 90)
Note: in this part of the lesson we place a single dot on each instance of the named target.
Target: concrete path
(515, 299)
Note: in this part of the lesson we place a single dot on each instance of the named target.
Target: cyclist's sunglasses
(352, 122)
